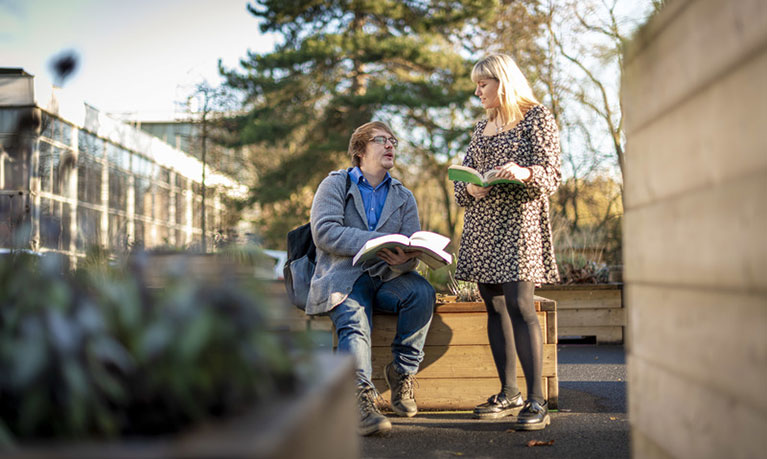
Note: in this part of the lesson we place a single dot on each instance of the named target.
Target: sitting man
(351, 207)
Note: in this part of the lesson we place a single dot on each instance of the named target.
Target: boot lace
(406, 386)
(366, 398)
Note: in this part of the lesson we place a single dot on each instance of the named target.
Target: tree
(571, 51)
(205, 134)
(340, 65)
(589, 37)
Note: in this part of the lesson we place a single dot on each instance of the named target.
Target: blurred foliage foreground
(96, 353)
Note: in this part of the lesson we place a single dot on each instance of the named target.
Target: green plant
(97, 353)
(583, 255)
(438, 278)
(464, 291)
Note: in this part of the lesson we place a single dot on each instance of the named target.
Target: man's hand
(396, 256)
(478, 192)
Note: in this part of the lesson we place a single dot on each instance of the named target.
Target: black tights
(513, 329)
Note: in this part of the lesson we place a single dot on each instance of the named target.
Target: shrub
(97, 353)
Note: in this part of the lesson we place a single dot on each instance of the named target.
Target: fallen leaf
(612, 418)
(532, 443)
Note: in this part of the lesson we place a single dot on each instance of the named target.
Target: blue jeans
(410, 296)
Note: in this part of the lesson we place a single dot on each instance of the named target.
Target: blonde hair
(361, 137)
(514, 91)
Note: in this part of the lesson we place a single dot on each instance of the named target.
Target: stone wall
(695, 250)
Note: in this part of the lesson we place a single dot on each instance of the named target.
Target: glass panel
(143, 195)
(210, 217)
(45, 166)
(15, 175)
(50, 223)
(162, 203)
(56, 129)
(63, 132)
(90, 144)
(118, 189)
(47, 126)
(14, 216)
(66, 226)
(139, 237)
(141, 166)
(118, 232)
(180, 208)
(163, 175)
(163, 235)
(89, 179)
(196, 212)
(118, 156)
(88, 228)
(56, 170)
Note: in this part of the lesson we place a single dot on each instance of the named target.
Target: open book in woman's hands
(430, 245)
(468, 174)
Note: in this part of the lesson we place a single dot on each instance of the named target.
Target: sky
(137, 58)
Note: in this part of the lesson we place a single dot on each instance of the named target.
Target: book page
(428, 239)
(431, 245)
(490, 178)
(435, 259)
(372, 246)
(397, 238)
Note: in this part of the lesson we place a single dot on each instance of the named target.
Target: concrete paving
(591, 422)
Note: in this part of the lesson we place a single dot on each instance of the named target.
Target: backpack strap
(348, 184)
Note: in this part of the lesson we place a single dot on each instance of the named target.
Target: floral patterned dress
(507, 235)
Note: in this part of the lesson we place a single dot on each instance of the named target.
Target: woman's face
(487, 91)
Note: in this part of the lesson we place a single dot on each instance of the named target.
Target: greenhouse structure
(72, 178)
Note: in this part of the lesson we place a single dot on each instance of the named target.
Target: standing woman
(506, 246)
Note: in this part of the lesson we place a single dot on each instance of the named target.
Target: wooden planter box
(318, 422)
(458, 372)
(589, 310)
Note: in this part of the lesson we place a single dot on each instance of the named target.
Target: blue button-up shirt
(373, 198)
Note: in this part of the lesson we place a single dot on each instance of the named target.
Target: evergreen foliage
(344, 63)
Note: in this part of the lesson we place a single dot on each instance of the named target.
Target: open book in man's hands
(469, 174)
(430, 245)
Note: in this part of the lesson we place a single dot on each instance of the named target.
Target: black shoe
(371, 419)
(401, 386)
(499, 406)
(534, 416)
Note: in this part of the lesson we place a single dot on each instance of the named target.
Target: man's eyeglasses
(381, 139)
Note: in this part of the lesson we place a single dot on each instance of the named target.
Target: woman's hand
(478, 192)
(513, 171)
(396, 256)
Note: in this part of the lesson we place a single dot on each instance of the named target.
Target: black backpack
(302, 255)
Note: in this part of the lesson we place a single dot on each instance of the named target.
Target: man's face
(377, 154)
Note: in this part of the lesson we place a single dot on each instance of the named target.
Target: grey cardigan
(339, 229)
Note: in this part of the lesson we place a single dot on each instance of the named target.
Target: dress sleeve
(544, 139)
(462, 197)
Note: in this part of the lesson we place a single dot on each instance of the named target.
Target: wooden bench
(458, 371)
(589, 310)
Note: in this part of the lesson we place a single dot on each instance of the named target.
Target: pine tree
(340, 64)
